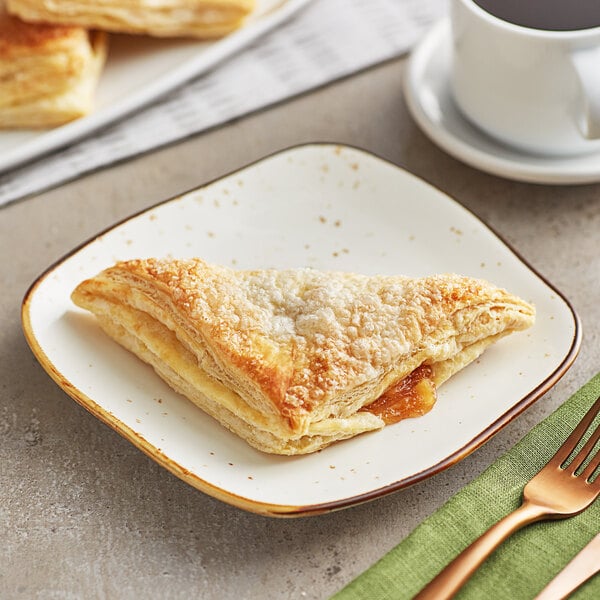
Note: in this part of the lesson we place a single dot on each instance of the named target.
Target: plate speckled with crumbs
(321, 206)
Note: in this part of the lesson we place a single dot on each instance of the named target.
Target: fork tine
(579, 459)
(571, 442)
(589, 470)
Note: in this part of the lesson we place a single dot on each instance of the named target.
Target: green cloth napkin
(527, 561)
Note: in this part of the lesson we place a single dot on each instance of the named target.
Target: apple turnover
(48, 73)
(164, 18)
(294, 360)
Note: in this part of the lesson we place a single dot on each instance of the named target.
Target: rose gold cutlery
(584, 566)
(561, 489)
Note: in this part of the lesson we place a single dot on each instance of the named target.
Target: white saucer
(427, 93)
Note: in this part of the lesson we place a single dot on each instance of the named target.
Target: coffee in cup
(551, 15)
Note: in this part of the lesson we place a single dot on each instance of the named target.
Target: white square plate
(327, 207)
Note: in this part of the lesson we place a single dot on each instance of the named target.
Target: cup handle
(587, 64)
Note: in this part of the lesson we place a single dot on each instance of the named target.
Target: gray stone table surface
(84, 514)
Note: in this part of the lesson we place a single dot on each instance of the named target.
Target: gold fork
(556, 492)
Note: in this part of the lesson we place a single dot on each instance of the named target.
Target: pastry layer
(48, 74)
(291, 360)
(165, 18)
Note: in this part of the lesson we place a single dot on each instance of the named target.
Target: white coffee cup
(537, 90)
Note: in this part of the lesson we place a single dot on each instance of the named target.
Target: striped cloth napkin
(328, 40)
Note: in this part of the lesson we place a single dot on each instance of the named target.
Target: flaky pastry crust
(291, 360)
(165, 18)
(48, 73)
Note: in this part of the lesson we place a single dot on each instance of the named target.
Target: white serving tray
(139, 70)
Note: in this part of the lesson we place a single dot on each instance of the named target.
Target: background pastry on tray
(294, 360)
(165, 18)
(48, 73)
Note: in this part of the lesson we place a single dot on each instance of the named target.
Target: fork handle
(456, 573)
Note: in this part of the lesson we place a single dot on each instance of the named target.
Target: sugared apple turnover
(294, 360)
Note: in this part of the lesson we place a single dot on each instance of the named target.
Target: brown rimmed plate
(321, 206)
